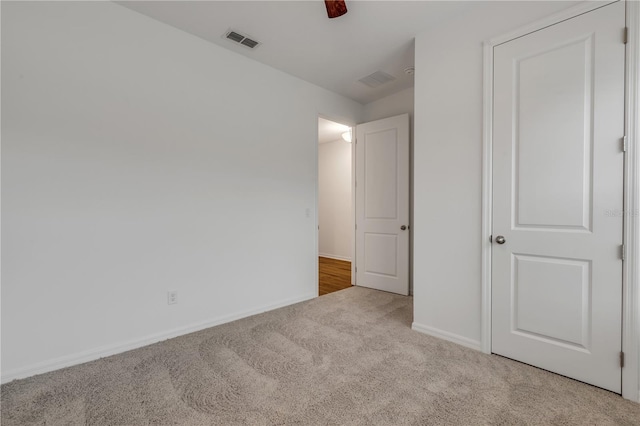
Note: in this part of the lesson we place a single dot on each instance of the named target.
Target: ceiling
(297, 37)
(329, 131)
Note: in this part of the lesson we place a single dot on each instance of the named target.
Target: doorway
(363, 175)
(335, 206)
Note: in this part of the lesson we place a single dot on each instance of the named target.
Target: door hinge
(625, 35)
(490, 238)
(622, 252)
(356, 269)
(621, 359)
(356, 226)
(624, 144)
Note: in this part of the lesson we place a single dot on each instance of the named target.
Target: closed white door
(382, 204)
(557, 197)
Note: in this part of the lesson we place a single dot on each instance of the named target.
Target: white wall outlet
(172, 297)
(307, 212)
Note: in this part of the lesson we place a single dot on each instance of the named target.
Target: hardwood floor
(334, 275)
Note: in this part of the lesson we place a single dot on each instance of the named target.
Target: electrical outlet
(307, 212)
(172, 297)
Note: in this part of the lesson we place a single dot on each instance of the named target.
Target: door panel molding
(631, 213)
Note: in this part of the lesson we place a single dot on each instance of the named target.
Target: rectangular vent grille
(235, 36)
(249, 43)
(376, 79)
(242, 39)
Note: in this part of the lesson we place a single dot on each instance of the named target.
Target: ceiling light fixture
(347, 136)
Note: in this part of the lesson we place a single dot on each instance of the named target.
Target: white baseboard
(104, 351)
(336, 257)
(445, 335)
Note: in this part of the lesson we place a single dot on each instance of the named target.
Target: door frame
(352, 124)
(631, 213)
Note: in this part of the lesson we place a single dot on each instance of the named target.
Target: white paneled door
(557, 197)
(382, 204)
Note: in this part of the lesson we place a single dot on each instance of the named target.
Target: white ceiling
(329, 131)
(299, 39)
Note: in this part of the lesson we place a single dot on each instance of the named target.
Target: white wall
(335, 216)
(448, 165)
(395, 104)
(138, 159)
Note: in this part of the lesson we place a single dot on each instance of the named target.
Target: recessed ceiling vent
(241, 39)
(376, 79)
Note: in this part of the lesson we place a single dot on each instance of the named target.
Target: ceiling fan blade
(335, 8)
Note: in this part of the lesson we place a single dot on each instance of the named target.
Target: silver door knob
(403, 227)
(500, 239)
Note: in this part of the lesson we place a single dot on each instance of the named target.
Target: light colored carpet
(348, 358)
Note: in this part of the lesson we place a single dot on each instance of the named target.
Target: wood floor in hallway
(334, 275)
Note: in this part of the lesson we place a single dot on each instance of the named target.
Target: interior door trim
(631, 265)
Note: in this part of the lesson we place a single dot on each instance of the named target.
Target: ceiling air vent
(249, 43)
(242, 39)
(376, 79)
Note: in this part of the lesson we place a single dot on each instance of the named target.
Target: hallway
(334, 275)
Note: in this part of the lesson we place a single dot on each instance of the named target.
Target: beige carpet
(348, 358)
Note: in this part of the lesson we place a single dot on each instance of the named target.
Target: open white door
(382, 204)
(558, 197)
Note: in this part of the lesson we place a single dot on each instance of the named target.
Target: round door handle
(403, 227)
(500, 239)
